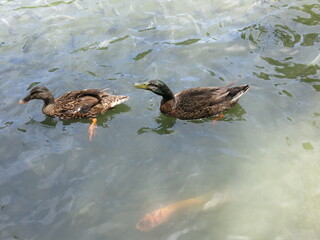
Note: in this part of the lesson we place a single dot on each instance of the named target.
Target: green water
(55, 184)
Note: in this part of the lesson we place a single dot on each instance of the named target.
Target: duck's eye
(153, 85)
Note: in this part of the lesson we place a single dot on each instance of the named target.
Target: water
(55, 184)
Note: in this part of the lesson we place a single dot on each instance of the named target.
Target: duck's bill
(25, 100)
(141, 85)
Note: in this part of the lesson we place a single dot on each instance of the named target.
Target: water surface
(55, 184)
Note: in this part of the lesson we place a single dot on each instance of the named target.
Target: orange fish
(161, 215)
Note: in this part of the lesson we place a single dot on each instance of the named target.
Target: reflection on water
(141, 55)
(165, 125)
(46, 5)
(47, 122)
(6, 124)
(33, 39)
(55, 184)
(287, 69)
(312, 11)
(262, 36)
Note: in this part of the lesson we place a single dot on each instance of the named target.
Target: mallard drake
(86, 103)
(195, 103)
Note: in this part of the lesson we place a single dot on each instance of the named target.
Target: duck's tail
(118, 99)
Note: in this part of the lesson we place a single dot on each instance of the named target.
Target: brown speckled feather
(86, 103)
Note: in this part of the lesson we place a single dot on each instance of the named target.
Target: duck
(195, 103)
(85, 103)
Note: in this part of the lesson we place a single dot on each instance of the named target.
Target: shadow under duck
(195, 103)
(85, 103)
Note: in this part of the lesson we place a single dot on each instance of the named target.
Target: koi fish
(161, 215)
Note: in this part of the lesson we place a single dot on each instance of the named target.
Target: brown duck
(86, 103)
(195, 103)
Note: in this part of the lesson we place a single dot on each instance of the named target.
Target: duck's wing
(74, 95)
(78, 102)
(195, 98)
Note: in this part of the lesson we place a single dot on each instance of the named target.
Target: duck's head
(156, 86)
(38, 93)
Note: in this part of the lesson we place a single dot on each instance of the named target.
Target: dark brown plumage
(86, 103)
(195, 103)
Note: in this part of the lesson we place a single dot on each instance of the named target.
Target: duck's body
(195, 103)
(86, 103)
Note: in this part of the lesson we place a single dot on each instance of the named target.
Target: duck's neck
(167, 95)
(48, 105)
(167, 102)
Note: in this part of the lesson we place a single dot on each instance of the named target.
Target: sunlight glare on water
(263, 154)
